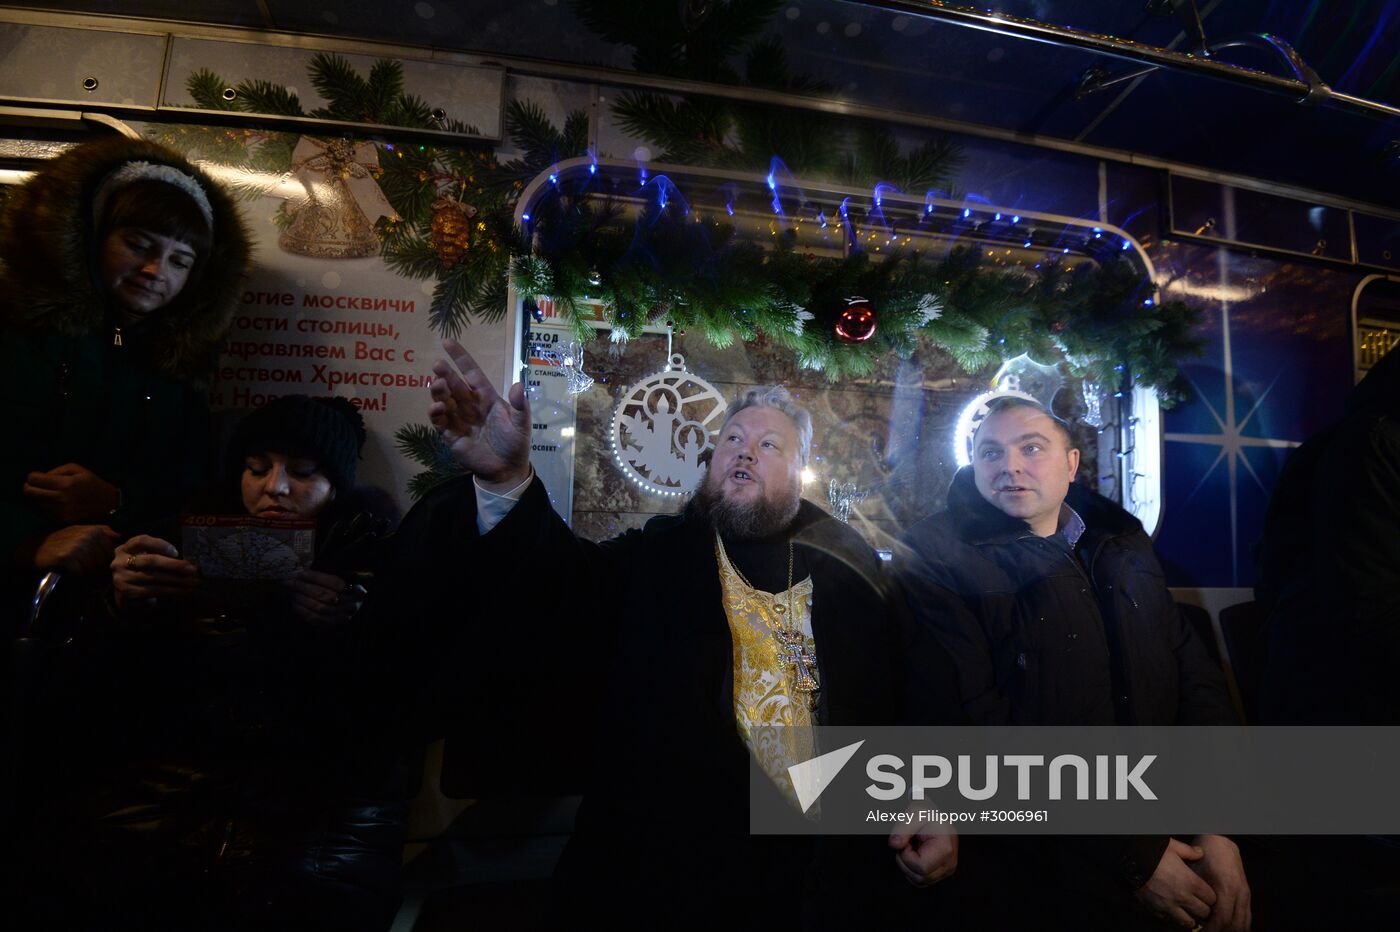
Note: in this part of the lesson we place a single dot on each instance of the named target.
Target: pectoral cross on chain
(793, 652)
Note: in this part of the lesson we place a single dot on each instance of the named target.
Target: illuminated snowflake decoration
(570, 359)
(1093, 404)
(663, 425)
(843, 497)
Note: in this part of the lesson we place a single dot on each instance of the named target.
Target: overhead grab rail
(1094, 80)
(1303, 86)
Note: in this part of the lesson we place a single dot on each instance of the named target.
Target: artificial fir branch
(412, 110)
(659, 266)
(347, 94)
(207, 89)
(489, 302)
(693, 132)
(422, 444)
(875, 156)
(530, 128)
(385, 85)
(259, 96)
(932, 165)
(575, 136)
(410, 255)
(655, 267)
(451, 303)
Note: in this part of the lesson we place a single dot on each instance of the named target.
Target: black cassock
(609, 668)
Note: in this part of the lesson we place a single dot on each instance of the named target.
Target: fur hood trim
(47, 257)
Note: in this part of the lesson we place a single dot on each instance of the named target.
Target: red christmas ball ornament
(856, 323)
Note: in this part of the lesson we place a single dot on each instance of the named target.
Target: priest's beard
(747, 520)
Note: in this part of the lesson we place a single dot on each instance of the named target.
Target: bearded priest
(671, 646)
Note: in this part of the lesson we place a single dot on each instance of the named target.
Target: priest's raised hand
(489, 435)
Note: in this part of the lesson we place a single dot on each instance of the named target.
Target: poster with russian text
(338, 325)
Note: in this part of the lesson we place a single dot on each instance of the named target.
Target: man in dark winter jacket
(1068, 621)
(681, 641)
(1329, 589)
(1329, 567)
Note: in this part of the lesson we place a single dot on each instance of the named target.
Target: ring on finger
(130, 560)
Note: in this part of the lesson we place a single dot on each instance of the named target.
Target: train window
(1376, 320)
(887, 442)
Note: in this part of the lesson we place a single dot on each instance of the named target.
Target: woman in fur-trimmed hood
(120, 266)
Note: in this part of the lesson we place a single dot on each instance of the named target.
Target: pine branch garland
(259, 96)
(410, 255)
(385, 85)
(489, 302)
(530, 129)
(422, 444)
(456, 206)
(693, 132)
(339, 83)
(662, 267)
(451, 303)
(207, 89)
(412, 110)
(574, 140)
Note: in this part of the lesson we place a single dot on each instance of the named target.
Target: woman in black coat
(121, 263)
(221, 772)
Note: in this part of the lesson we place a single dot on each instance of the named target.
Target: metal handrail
(45, 589)
(1127, 49)
(1096, 80)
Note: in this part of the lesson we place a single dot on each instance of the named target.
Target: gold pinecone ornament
(451, 230)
